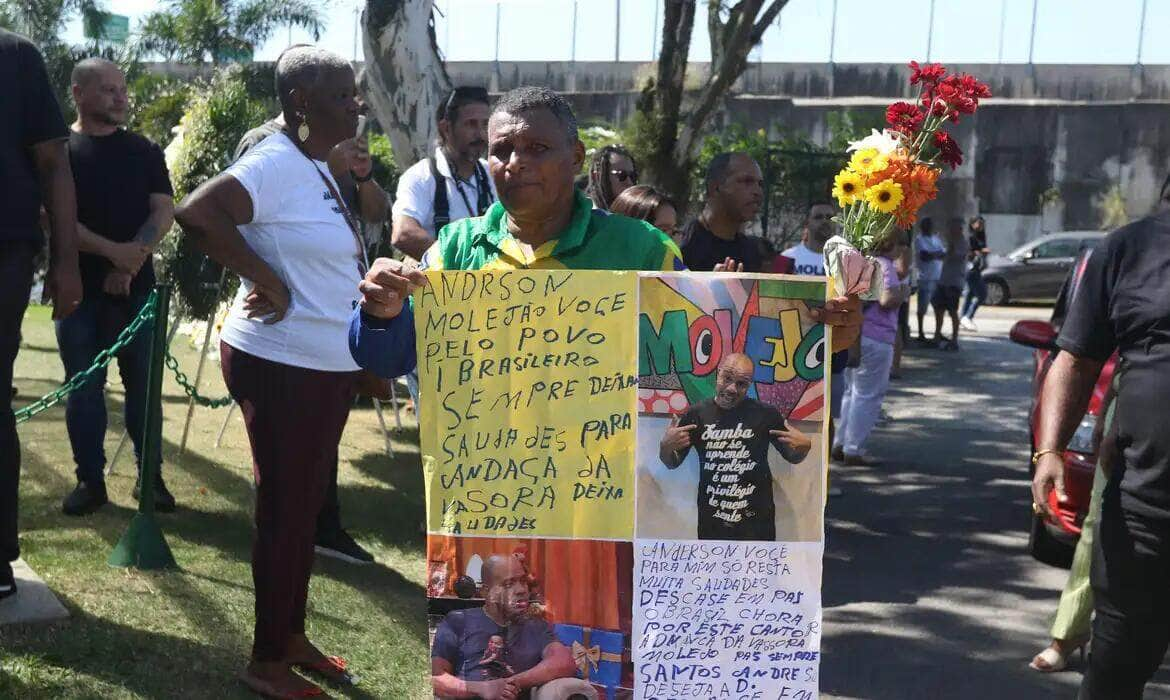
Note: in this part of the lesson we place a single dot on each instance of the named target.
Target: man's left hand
(844, 315)
(798, 441)
(355, 156)
(117, 283)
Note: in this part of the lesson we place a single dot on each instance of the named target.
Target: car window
(1059, 248)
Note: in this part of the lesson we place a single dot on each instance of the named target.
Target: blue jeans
(976, 293)
(94, 326)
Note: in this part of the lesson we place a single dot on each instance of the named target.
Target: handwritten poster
(527, 425)
(631, 465)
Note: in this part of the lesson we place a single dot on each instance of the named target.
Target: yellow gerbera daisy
(884, 196)
(848, 187)
(867, 161)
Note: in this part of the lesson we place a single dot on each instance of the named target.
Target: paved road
(929, 591)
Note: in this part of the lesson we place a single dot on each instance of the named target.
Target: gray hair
(301, 67)
(528, 99)
(87, 69)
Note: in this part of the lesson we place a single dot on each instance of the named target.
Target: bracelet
(367, 178)
(1040, 453)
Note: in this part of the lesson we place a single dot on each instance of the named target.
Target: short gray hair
(528, 99)
(87, 69)
(301, 67)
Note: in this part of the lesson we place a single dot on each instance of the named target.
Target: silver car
(1035, 270)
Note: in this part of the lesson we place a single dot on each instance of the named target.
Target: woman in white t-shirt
(275, 218)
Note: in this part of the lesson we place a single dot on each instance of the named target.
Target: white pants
(865, 388)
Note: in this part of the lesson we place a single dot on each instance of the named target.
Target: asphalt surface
(929, 591)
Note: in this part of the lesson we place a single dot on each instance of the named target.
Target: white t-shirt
(416, 192)
(299, 230)
(928, 271)
(807, 262)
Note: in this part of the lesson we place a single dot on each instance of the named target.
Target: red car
(1051, 540)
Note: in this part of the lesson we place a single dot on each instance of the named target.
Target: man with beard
(124, 207)
(473, 648)
(735, 191)
(732, 433)
(422, 207)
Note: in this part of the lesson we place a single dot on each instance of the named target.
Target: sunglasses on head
(464, 94)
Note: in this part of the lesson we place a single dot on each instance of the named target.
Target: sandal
(267, 690)
(334, 668)
(1050, 660)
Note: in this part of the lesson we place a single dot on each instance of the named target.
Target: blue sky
(1067, 31)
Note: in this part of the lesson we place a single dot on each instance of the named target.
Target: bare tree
(673, 135)
(405, 78)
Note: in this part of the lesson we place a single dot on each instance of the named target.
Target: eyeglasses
(624, 175)
(464, 93)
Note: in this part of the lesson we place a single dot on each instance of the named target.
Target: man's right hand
(499, 689)
(1049, 474)
(63, 284)
(128, 257)
(387, 285)
(677, 438)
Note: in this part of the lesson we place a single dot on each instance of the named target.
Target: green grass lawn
(185, 634)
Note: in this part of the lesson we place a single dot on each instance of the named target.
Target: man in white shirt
(809, 256)
(929, 251)
(421, 208)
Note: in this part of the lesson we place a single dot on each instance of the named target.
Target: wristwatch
(1040, 453)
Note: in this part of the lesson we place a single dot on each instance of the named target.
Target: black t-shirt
(29, 115)
(464, 637)
(115, 176)
(703, 250)
(735, 482)
(1123, 304)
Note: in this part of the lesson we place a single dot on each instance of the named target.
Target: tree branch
(766, 20)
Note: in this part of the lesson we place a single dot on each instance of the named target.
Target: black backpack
(442, 207)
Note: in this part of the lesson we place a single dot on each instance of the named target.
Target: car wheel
(997, 293)
(1045, 548)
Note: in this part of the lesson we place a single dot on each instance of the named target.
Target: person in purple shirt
(866, 384)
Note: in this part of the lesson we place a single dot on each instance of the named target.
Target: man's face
(467, 133)
(533, 163)
(742, 191)
(510, 592)
(103, 97)
(732, 381)
(820, 223)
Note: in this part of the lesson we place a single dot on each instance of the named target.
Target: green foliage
(157, 105)
(1111, 205)
(219, 114)
(386, 174)
(852, 125)
(195, 31)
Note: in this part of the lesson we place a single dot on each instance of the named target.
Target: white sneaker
(968, 325)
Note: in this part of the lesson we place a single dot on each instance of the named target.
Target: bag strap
(442, 207)
(350, 221)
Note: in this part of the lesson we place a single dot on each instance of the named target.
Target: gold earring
(303, 130)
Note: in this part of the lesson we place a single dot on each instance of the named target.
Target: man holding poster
(732, 434)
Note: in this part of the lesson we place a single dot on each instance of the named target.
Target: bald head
(733, 379)
(496, 569)
(99, 91)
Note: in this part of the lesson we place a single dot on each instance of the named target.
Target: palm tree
(195, 31)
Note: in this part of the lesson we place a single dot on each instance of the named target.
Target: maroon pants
(294, 417)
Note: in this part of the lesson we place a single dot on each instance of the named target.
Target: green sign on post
(106, 26)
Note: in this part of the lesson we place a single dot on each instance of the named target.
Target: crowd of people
(312, 316)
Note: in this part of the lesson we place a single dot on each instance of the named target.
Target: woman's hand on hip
(267, 302)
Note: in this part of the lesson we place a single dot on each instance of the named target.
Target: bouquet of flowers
(894, 172)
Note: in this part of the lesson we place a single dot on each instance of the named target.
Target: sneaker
(7, 581)
(861, 460)
(837, 454)
(835, 492)
(164, 502)
(341, 546)
(86, 498)
(968, 325)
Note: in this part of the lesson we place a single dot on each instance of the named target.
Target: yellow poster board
(528, 381)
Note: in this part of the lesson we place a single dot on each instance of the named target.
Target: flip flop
(334, 668)
(266, 690)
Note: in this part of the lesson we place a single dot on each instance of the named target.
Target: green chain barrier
(145, 316)
(181, 378)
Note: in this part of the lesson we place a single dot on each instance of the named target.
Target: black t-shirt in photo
(735, 483)
(115, 176)
(703, 250)
(463, 637)
(1123, 304)
(29, 115)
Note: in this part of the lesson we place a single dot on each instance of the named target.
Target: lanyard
(350, 221)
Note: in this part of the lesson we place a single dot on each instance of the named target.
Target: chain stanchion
(143, 546)
(145, 316)
(190, 390)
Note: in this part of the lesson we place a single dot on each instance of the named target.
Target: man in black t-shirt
(735, 191)
(732, 434)
(34, 170)
(124, 208)
(1122, 303)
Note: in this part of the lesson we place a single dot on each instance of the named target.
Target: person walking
(929, 252)
(124, 208)
(949, 287)
(976, 285)
(276, 219)
(34, 163)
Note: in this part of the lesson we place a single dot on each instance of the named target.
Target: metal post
(930, 31)
(223, 426)
(617, 31)
(833, 51)
(1141, 33)
(143, 546)
(202, 361)
(653, 33)
(1002, 26)
(1032, 34)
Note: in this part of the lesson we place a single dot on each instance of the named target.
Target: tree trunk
(405, 77)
